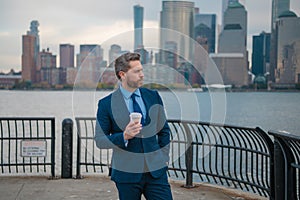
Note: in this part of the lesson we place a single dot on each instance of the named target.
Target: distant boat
(195, 90)
(216, 87)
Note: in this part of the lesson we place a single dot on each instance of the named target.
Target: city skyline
(95, 27)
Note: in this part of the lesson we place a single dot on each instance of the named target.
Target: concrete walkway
(100, 188)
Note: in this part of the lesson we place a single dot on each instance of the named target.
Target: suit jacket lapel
(119, 109)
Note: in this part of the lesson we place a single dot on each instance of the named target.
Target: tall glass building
(261, 53)
(288, 48)
(177, 26)
(138, 26)
(278, 7)
(205, 28)
(34, 25)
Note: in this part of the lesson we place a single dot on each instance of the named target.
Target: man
(140, 150)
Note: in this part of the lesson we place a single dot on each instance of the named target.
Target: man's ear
(121, 74)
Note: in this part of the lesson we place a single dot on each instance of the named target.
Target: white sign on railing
(33, 148)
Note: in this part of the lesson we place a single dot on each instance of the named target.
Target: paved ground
(100, 188)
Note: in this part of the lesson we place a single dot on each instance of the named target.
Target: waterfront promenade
(102, 188)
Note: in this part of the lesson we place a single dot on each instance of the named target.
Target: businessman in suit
(140, 150)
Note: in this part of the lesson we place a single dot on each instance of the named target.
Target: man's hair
(122, 62)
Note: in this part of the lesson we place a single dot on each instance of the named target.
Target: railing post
(53, 147)
(78, 173)
(189, 158)
(279, 171)
(67, 148)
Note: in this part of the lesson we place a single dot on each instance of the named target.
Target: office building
(35, 32)
(46, 62)
(90, 55)
(28, 60)
(138, 26)
(233, 38)
(66, 55)
(288, 48)
(30, 50)
(177, 16)
(205, 29)
(232, 57)
(278, 7)
(261, 53)
(232, 67)
(114, 52)
(225, 4)
(89, 62)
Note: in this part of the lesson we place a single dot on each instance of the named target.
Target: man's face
(134, 77)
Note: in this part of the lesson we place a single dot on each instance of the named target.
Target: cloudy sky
(95, 21)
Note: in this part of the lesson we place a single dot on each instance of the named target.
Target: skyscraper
(31, 48)
(28, 61)
(205, 28)
(225, 4)
(114, 53)
(278, 6)
(288, 48)
(232, 57)
(35, 32)
(138, 26)
(90, 59)
(179, 17)
(66, 54)
(261, 53)
(233, 38)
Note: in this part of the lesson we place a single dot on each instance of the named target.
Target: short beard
(133, 84)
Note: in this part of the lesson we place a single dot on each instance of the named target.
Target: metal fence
(200, 152)
(287, 168)
(238, 157)
(27, 146)
(89, 157)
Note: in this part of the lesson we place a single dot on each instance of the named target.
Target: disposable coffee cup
(135, 117)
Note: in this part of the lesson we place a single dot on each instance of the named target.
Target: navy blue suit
(145, 154)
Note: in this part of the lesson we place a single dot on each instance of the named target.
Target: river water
(267, 110)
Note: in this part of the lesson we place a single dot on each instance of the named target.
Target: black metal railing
(287, 168)
(89, 157)
(239, 157)
(27, 145)
(200, 152)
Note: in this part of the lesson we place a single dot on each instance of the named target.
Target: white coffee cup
(136, 117)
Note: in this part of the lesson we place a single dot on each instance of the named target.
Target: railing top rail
(27, 118)
(284, 135)
(190, 122)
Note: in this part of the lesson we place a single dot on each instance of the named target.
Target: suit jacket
(149, 150)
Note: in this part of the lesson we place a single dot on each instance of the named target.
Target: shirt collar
(128, 94)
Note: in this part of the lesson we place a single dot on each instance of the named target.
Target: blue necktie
(136, 107)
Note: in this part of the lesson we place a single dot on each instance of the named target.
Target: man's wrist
(125, 140)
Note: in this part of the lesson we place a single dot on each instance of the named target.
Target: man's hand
(131, 130)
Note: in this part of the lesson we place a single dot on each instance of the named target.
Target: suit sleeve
(104, 137)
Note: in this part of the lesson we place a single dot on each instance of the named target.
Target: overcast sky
(95, 21)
